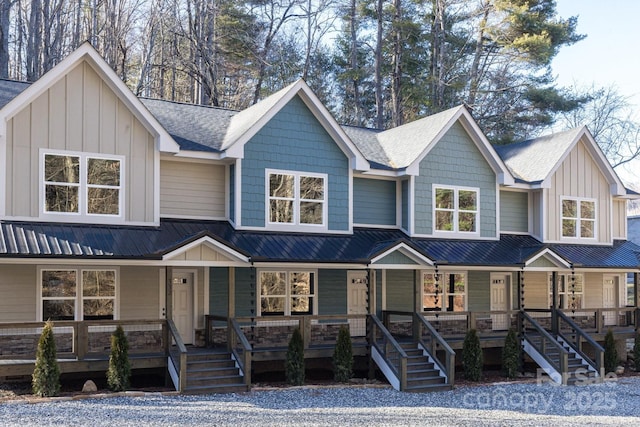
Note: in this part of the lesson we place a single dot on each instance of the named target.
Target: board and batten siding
(18, 293)
(139, 292)
(79, 113)
(399, 290)
(619, 222)
(189, 189)
(332, 292)
(514, 212)
(579, 176)
(374, 202)
(294, 140)
(455, 161)
(536, 290)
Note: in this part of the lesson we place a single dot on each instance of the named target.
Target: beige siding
(18, 293)
(592, 290)
(619, 223)
(536, 213)
(536, 290)
(579, 176)
(139, 293)
(201, 253)
(192, 189)
(78, 113)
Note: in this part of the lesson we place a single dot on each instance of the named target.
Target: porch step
(422, 375)
(213, 373)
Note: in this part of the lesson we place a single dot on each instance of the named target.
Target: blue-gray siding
(374, 201)
(232, 192)
(332, 292)
(514, 212)
(294, 140)
(396, 258)
(245, 292)
(405, 204)
(455, 161)
(400, 290)
(219, 291)
(478, 293)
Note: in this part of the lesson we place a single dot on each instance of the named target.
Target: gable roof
(87, 53)
(9, 89)
(534, 161)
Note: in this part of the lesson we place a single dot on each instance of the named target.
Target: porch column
(417, 303)
(554, 298)
(636, 298)
(373, 292)
(520, 302)
(231, 309)
(169, 292)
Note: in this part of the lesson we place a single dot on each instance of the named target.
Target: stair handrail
(182, 350)
(241, 349)
(563, 366)
(598, 361)
(449, 365)
(399, 369)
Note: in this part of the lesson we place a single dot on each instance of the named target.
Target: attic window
(82, 184)
(296, 198)
(456, 209)
(578, 218)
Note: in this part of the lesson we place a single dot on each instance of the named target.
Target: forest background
(376, 63)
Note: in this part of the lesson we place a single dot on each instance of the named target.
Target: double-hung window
(70, 294)
(446, 291)
(456, 209)
(296, 198)
(570, 291)
(286, 292)
(578, 218)
(82, 184)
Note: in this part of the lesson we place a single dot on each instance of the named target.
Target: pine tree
(511, 355)
(610, 353)
(294, 364)
(343, 357)
(472, 358)
(119, 371)
(45, 380)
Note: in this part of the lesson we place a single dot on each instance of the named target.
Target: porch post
(554, 298)
(636, 298)
(169, 292)
(231, 309)
(417, 303)
(373, 293)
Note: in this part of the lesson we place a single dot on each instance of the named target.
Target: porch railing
(542, 342)
(575, 337)
(599, 320)
(389, 349)
(437, 347)
(241, 349)
(177, 358)
(274, 332)
(89, 339)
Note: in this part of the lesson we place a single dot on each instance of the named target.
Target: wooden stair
(213, 373)
(422, 374)
(578, 372)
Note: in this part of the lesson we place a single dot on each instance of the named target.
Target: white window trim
(455, 232)
(83, 188)
(287, 296)
(567, 292)
(296, 225)
(444, 294)
(79, 298)
(578, 238)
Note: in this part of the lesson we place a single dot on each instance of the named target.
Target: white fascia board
(202, 155)
(551, 256)
(407, 251)
(213, 244)
(3, 167)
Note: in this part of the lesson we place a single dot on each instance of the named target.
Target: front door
(609, 298)
(499, 301)
(182, 313)
(357, 302)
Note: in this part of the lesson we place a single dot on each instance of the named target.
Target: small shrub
(636, 352)
(343, 357)
(472, 358)
(45, 380)
(294, 363)
(610, 353)
(511, 355)
(119, 371)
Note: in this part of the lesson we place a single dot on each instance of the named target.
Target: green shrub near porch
(45, 380)
(610, 353)
(294, 363)
(119, 371)
(636, 351)
(511, 355)
(472, 358)
(343, 356)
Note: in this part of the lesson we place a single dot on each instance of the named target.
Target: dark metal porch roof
(54, 240)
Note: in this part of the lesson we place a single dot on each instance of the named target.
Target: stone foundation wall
(325, 334)
(139, 341)
(25, 345)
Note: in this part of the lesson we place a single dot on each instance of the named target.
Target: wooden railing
(241, 349)
(599, 320)
(576, 337)
(83, 340)
(389, 349)
(437, 347)
(178, 358)
(547, 342)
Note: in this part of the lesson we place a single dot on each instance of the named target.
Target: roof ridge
(191, 104)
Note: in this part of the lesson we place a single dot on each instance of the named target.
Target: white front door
(499, 301)
(182, 313)
(357, 301)
(609, 298)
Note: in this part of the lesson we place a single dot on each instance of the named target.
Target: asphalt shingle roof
(51, 240)
(9, 89)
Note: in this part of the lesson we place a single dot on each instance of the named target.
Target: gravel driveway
(613, 403)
